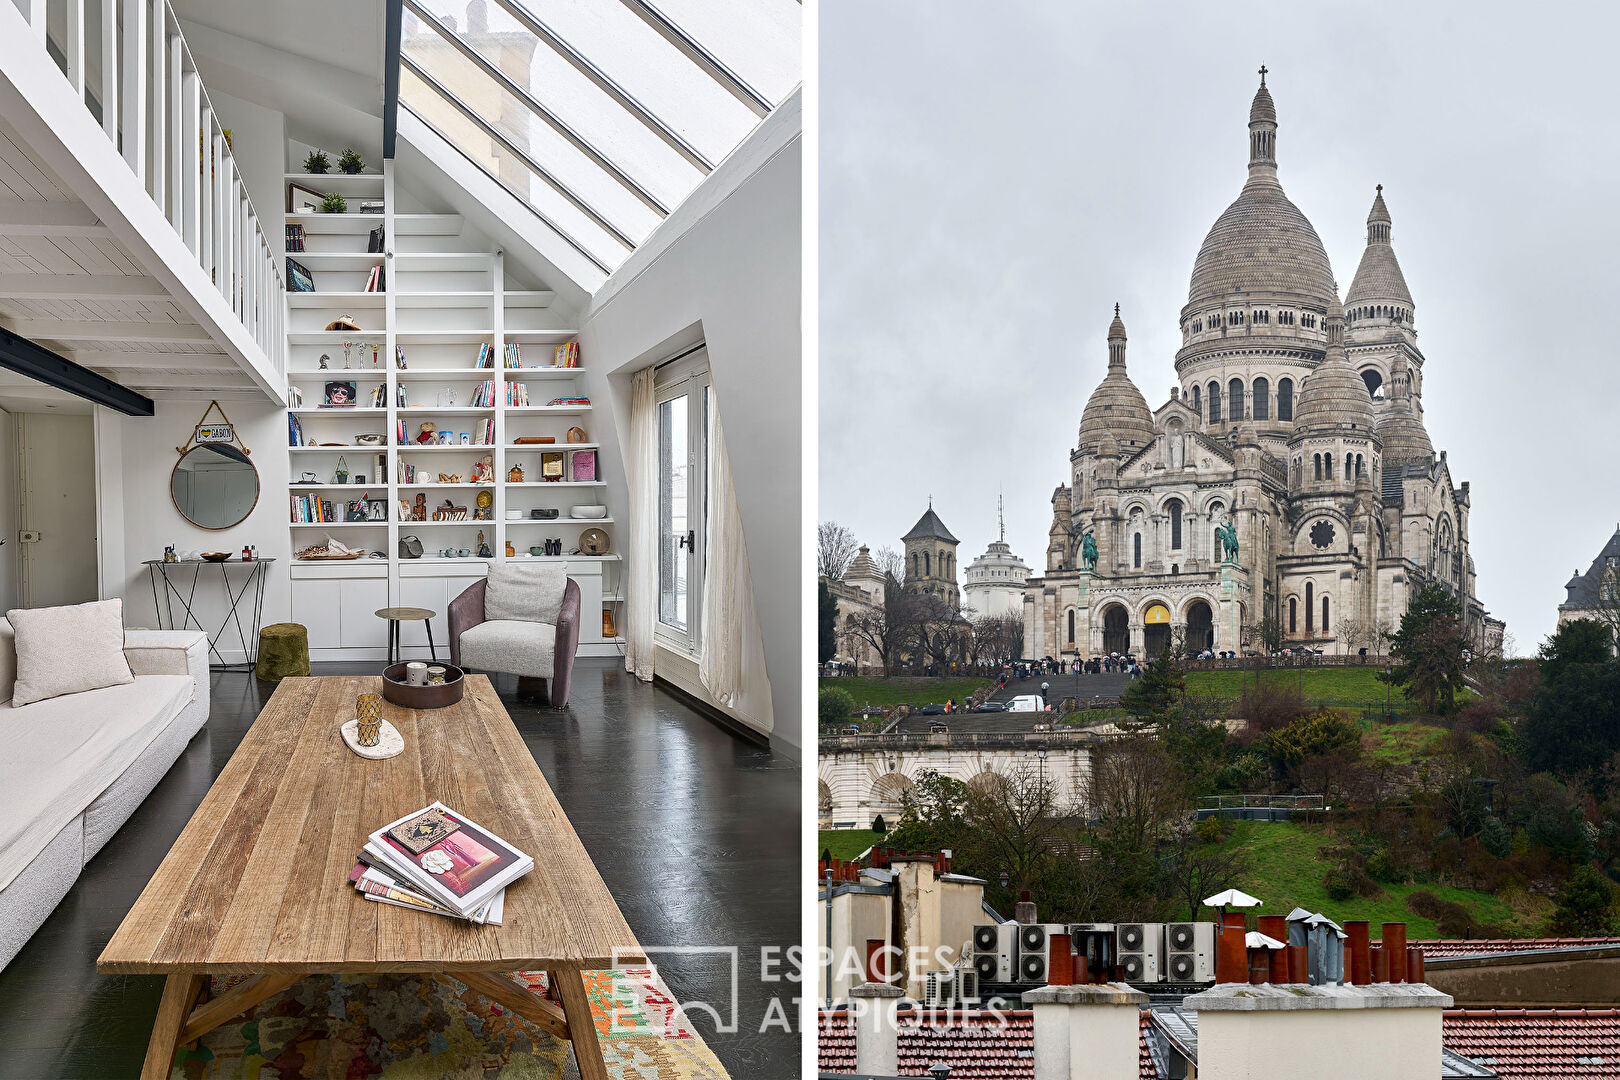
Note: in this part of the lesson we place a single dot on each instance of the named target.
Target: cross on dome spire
(1262, 128)
(1262, 76)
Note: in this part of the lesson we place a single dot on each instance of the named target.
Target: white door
(56, 497)
(683, 455)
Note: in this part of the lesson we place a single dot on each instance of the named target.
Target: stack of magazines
(436, 860)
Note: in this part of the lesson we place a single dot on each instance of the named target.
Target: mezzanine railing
(129, 65)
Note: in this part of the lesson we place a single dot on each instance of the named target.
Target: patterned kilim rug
(416, 1027)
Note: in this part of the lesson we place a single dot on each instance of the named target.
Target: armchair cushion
(517, 646)
(527, 592)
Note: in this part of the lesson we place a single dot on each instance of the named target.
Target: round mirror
(214, 485)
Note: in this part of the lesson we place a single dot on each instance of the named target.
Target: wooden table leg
(179, 995)
(233, 1003)
(501, 988)
(577, 1008)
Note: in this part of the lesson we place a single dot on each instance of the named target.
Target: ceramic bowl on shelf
(514, 515)
(591, 512)
(543, 513)
(216, 556)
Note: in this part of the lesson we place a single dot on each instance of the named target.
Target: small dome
(1334, 395)
(1263, 111)
(1379, 276)
(1116, 329)
(1403, 434)
(1116, 407)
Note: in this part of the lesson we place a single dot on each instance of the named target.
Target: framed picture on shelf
(584, 465)
(551, 467)
(303, 200)
(339, 395)
(299, 279)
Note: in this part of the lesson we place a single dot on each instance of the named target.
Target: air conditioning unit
(1034, 950)
(994, 947)
(1189, 950)
(1141, 951)
(967, 986)
(939, 989)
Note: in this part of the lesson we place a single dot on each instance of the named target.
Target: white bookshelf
(439, 305)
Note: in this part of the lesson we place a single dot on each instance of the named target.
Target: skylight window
(601, 116)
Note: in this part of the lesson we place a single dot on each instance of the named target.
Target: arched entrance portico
(1116, 630)
(1200, 627)
(1155, 630)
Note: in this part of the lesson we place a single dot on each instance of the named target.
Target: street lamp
(1003, 877)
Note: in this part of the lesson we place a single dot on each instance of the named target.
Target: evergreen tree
(827, 614)
(1574, 726)
(1428, 649)
(1151, 695)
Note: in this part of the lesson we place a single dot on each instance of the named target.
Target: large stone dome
(1262, 245)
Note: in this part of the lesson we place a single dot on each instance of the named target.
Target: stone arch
(1374, 380)
(824, 798)
(988, 782)
(888, 796)
(1198, 614)
(1155, 635)
(1116, 624)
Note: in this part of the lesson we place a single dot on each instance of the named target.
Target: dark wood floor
(695, 831)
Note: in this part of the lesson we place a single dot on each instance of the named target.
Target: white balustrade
(155, 110)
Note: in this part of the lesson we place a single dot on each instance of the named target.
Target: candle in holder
(435, 675)
(368, 714)
(416, 673)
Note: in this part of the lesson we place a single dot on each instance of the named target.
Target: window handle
(689, 541)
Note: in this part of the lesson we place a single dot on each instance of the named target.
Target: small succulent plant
(316, 162)
(334, 203)
(351, 162)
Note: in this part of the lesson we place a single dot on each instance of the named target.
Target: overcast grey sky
(994, 178)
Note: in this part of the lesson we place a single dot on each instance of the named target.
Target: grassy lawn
(1405, 741)
(903, 690)
(845, 843)
(1346, 686)
(1288, 873)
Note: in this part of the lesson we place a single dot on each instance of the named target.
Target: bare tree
(1268, 633)
(1137, 792)
(1362, 633)
(1196, 870)
(1015, 815)
(891, 563)
(835, 548)
(997, 639)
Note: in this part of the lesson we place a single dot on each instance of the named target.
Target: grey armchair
(533, 651)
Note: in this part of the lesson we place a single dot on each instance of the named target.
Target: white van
(1026, 703)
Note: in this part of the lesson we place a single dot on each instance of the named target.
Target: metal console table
(176, 588)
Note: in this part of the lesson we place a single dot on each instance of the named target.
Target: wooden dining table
(257, 882)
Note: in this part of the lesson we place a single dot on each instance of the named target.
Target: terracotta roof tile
(1438, 947)
(1522, 1044)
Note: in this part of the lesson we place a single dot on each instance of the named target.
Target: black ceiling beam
(392, 30)
(29, 358)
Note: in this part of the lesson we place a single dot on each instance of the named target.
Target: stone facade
(1295, 433)
(1595, 594)
(995, 580)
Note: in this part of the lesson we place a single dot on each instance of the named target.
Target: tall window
(1293, 614)
(1285, 399)
(1071, 626)
(1214, 403)
(1310, 606)
(682, 393)
(1198, 402)
(1324, 614)
(927, 565)
(1327, 466)
(1175, 525)
(1262, 399)
(1317, 461)
(1234, 400)
(1137, 563)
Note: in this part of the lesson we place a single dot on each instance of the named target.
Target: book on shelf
(486, 356)
(399, 433)
(569, 401)
(514, 355)
(447, 858)
(295, 431)
(295, 237)
(399, 357)
(310, 509)
(566, 355)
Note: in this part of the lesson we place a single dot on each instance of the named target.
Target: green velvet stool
(283, 651)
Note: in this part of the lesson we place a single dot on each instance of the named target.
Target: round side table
(397, 615)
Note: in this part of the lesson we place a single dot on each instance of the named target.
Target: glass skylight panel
(618, 165)
(486, 152)
(514, 120)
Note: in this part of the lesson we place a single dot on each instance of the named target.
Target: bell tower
(931, 559)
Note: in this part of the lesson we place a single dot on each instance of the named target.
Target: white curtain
(641, 554)
(728, 589)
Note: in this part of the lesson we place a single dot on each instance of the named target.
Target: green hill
(1288, 873)
(1347, 687)
(902, 690)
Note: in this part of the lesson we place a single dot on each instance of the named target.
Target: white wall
(143, 459)
(8, 514)
(726, 268)
(259, 146)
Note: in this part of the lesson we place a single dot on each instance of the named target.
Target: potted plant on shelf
(333, 203)
(317, 162)
(351, 162)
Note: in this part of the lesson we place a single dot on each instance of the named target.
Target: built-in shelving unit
(442, 300)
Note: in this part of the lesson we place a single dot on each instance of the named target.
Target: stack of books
(436, 860)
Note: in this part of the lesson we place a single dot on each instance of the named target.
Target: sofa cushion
(66, 650)
(526, 592)
(63, 752)
(8, 661)
(510, 645)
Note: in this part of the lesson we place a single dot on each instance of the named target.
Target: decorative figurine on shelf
(510, 552)
(419, 512)
(483, 471)
(485, 511)
(325, 361)
(374, 348)
(450, 478)
(484, 551)
(609, 631)
(576, 434)
(168, 554)
(514, 475)
(426, 435)
(347, 345)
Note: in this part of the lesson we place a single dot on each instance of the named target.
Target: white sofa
(74, 768)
